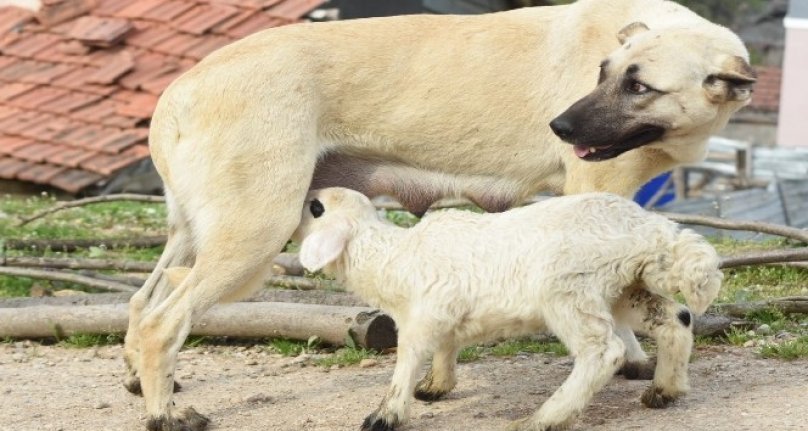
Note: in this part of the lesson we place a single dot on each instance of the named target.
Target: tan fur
(420, 107)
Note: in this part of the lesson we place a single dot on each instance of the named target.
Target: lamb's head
(331, 217)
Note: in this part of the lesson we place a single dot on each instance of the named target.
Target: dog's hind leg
(177, 252)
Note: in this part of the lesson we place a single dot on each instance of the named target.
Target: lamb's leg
(414, 345)
(670, 324)
(638, 366)
(440, 379)
(598, 351)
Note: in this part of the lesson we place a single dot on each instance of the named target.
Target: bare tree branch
(766, 257)
(754, 226)
(93, 200)
(64, 263)
(68, 245)
(66, 276)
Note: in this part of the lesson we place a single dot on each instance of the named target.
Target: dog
(599, 95)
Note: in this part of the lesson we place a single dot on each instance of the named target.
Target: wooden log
(367, 327)
(322, 297)
(786, 305)
(69, 245)
(64, 263)
(712, 325)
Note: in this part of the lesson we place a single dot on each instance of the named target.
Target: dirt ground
(241, 388)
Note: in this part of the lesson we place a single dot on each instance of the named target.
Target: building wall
(792, 131)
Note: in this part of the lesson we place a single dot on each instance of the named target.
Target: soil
(245, 388)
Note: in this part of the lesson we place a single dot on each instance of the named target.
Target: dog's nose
(561, 127)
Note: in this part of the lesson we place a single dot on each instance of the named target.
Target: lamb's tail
(689, 266)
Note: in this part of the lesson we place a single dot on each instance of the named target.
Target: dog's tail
(689, 266)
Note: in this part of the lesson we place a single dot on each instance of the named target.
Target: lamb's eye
(316, 208)
(637, 87)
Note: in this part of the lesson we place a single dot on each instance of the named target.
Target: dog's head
(330, 219)
(657, 87)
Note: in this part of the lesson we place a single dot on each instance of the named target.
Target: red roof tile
(75, 180)
(40, 173)
(55, 12)
(12, 18)
(92, 30)
(168, 10)
(80, 80)
(36, 152)
(9, 144)
(9, 167)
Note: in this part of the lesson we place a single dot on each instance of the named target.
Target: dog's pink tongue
(580, 150)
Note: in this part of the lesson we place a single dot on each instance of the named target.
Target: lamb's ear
(631, 30)
(324, 245)
(176, 274)
(733, 83)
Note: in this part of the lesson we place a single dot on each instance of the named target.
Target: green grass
(470, 354)
(82, 341)
(513, 347)
(287, 347)
(788, 350)
(124, 219)
(346, 356)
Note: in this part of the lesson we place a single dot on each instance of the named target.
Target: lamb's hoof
(187, 420)
(133, 386)
(527, 424)
(429, 395)
(638, 370)
(654, 398)
(375, 423)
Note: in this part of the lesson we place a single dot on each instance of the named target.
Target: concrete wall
(792, 130)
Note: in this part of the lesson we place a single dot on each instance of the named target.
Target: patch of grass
(287, 347)
(513, 347)
(401, 218)
(195, 340)
(82, 341)
(346, 356)
(770, 316)
(789, 350)
(737, 337)
(470, 354)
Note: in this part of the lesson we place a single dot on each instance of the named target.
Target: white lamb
(572, 265)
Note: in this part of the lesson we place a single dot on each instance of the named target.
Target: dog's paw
(638, 370)
(654, 398)
(428, 390)
(188, 420)
(132, 385)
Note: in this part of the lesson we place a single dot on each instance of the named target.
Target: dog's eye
(637, 87)
(316, 208)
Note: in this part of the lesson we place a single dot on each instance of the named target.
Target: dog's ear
(733, 83)
(631, 30)
(324, 245)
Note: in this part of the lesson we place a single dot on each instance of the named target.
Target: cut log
(69, 245)
(367, 327)
(712, 325)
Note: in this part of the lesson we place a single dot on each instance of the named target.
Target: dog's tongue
(580, 150)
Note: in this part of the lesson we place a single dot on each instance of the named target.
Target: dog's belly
(416, 189)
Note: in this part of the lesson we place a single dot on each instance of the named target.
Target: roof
(79, 79)
(766, 94)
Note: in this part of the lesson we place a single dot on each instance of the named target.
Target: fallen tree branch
(754, 226)
(786, 305)
(713, 325)
(69, 245)
(321, 297)
(65, 263)
(67, 276)
(366, 327)
(92, 200)
(766, 257)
